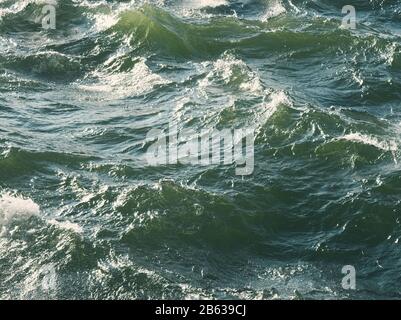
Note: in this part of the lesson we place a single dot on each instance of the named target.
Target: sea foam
(15, 207)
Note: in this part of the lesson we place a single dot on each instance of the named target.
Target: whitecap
(234, 72)
(197, 4)
(276, 99)
(139, 80)
(369, 140)
(275, 9)
(14, 207)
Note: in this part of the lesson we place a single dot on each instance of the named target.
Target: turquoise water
(82, 215)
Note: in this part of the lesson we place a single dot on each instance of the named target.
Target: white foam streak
(373, 141)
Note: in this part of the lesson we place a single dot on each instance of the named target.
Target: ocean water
(82, 215)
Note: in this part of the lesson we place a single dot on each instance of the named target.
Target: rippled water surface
(83, 216)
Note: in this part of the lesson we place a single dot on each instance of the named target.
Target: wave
(148, 31)
(17, 162)
(45, 64)
(78, 101)
(14, 207)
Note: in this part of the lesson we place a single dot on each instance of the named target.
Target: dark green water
(78, 202)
